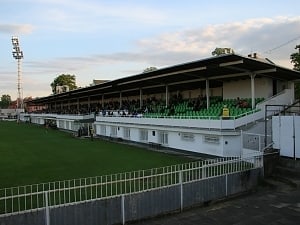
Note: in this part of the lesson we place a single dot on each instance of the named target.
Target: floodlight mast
(18, 55)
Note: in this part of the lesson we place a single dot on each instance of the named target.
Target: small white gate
(286, 135)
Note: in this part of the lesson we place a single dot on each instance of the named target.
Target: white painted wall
(231, 145)
(263, 88)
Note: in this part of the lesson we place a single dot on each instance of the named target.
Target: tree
(64, 80)
(5, 101)
(222, 51)
(295, 59)
(149, 69)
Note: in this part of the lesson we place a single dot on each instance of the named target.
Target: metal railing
(39, 196)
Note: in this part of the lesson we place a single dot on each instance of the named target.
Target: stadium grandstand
(215, 106)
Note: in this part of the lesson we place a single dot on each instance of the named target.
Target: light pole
(18, 55)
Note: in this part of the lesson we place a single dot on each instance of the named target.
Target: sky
(107, 40)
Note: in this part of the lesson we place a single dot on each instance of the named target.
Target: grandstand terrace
(180, 107)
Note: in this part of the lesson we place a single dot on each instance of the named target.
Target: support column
(102, 103)
(120, 99)
(78, 105)
(291, 86)
(167, 95)
(252, 76)
(89, 103)
(141, 98)
(207, 93)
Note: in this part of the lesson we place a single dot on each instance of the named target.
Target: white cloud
(255, 35)
(16, 29)
(90, 16)
(259, 35)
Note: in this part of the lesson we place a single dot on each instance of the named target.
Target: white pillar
(167, 95)
(252, 76)
(120, 99)
(141, 98)
(207, 93)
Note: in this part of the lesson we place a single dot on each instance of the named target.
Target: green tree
(5, 101)
(64, 80)
(149, 69)
(295, 60)
(222, 51)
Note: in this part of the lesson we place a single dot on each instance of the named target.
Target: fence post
(181, 190)
(47, 213)
(123, 208)
(226, 183)
(259, 141)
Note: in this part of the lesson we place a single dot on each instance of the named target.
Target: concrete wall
(141, 205)
(263, 88)
(205, 143)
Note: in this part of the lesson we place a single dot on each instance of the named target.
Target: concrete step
(289, 163)
(287, 172)
(281, 183)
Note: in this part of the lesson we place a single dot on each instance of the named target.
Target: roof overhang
(184, 76)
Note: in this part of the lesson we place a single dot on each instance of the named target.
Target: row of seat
(183, 109)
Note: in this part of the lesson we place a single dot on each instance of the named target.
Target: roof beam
(265, 71)
(163, 75)
(231, 63)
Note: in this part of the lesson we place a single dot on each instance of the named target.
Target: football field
(33, 154)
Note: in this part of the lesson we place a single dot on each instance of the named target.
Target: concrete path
(266, 205)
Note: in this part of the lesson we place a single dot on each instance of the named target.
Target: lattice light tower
(18, 55)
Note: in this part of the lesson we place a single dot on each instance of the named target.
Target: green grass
(32, 154)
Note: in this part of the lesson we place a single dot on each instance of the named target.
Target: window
(61, 124)
(187, 136)
(113, 131)
(212, 139)
(143, 135)
(103, 130)
(126, 133)
(163, 138)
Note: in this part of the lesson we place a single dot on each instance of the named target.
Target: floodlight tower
(18, 55)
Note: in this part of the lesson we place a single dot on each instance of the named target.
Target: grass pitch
(33, 154)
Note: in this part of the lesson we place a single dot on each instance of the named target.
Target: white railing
(39, 196)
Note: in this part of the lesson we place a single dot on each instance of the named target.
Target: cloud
(16, 29)
(90, 16)
(255, 35)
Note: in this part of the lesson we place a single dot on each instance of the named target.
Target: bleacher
(186, 110)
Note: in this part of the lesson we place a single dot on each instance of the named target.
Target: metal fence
(40, 196)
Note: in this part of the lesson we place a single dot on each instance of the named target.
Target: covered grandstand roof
(184, 76)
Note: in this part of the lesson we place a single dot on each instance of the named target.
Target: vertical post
(78, 105)
(252, 76)
(120, 99)
(141, 98)
(123, 208)
(207, 93)
(167, 95)
(226, 184)
(89, 104)
(259, 141)
(20, 98)
(242, 144)
(47, 214)
(102, 103)
(181, 190)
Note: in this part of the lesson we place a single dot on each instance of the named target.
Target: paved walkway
(265, 206)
